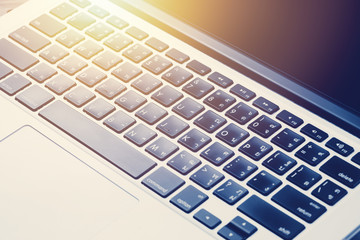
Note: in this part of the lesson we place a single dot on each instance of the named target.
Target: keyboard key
(130, 101)
(356, 158)
(53, 54)
(188, 108)
(340, 147)
(48, 25)
(184, 162)
(162, 148)
(81, 21)
(288, 140)
(198, 88)
(167, 96)
(219, 100)
(157, 64)
(299, 204)
(151, 113)
(177, 56)
(70, 38)
(304, 177)
(107, 60)
(264, 183)
(140, 135)
(163, 182)
(137, 53)
(198, 67)
(217, 154)
(314, 132)
(98, 11)
(172, 126)
(81, 3)
(230, 192)
(240, 168)
(117, 22)
(210, 121)
(119, 121)
(63, 11)
(14, 84)
(157, 44)
(4, 71)
(290, 119)
(99, 31)
(136, 33)
(255, 148)
(88, 49)
(34, 97)
(241, 113)
(242, 92)
(220, 80)
(279, 162)
(264, 126)
(232, 135)
(207, 177)
(342, 171)
(126, 72)
(312, 154)
(60, 84)
(91, 76)
(98, 139)
(237, 229)
(99, 109)
(194, 140)
(118, 42)
(110, 88)
(271, 218)
(266, 105)
(29, 39)
(189, 199)
(79, 96)
(146, 83)
(329, 192)
(208, 219)
(72, 65)
(41, 72)
(177, 76)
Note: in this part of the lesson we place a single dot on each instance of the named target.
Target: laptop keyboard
(202, 135)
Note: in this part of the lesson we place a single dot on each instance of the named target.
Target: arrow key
(208, 219)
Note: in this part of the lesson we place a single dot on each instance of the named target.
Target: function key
(210, 121)
(255, 148)
(242, 92)
(177, 56)
(237, 229)
(194, 140)
(230, 192)
(157, 44)
(98, 11)
(340, 147)
(206, 218)
(312, 154)
(14, 84)
(232, 135)
(48, 25)
(314, 132)
(34, 97)
(288, 140)
(266, 105)
(189, 199)
(219, 100)
(162, 148)
(167, 96)
(279, 162)
(329, 192)
(207, 177)
(140, 135)
(241, 113)
(184, 162)
(264, 183)
(63, 11)
(137, 33)
(264, 126)
(81, 3)
(217, 154)
(356, 158)
(240, 168)
(290, 119)
(304, 177)
(117, 22)
(198, 67)
(220, 80)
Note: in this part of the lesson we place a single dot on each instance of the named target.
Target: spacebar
(98, 139)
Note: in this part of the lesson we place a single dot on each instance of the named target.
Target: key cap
(177, 56)
(72, 65)
(188, 108)
(340, 147)
(217, 154)
(163, 182)
(265, 127)
(219, 100)
(88, 49)
(81, 21)
(237, 229)
(299, 204)
(312, 154)
(290, 119)
(146, 83)
(151, 113)
(157, 64)
(177, 76)
(14, 84)
(99, 109)
(60, 84)
(279, 163)
(48, 25)
(140, 135)
(288, 140)
(118, 42)
(220, 80)
(184, 162)
(107, 60)
(34, 97)
(198, 88)
(91, 76)
(167, 96)
(53, 54)
(70, 38)
(79, 96)
(29, 39)
(97, 139)
(207, 177)
(126, 72)
(41, 72)
(198, 67)
(342, 171)
(241, 113)
(98, 11)
(137, 53)
(63, 11)
(157, 44)
(356, 158)
(329, 192)
(304, 177)
(119, 121)
(242, 92)
(240, 168)
(255, 148)
(81, 3)
(194, 140)
(271, 218)
(264, 183)
(130, 100)
(210, 121)
(230, 192)
(4, 71)
(208, 219)
(266, 105)
(117, 22)
(232, 135)
(110, 88)
(162, 148)
(189, 199)
(314, 132)
(99, 31)
(136, 33)
(172, 126)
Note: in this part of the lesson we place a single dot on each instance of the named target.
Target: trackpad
(47, 193)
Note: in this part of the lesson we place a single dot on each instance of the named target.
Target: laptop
(179, 120)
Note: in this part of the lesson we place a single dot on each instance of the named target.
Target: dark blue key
(266, 105)
(220, 80)
(342, 171)
(356, 158)
(271, 218)
(151, 113)
(340, 147)
(198, 67)
(163, 182)
(188, 108)
(207, 177)
(167, 96)
(184, 162)
(219, 100)
(237, 229)
(210, 121)
(255, 148)
(240, 168)
(241, 113)
(312, 154)
(198, 88)
(172, 126)
(264, 126)
(329, 192)
(304, 177)
(140, 135)
(232, 135)
(162, 148)
(189, 199)
(290, 119)
(288, 140)
(194, 140)
(242, 92)
(299, 204)
(264, 183)
(279, 162)
(314, 132)
(206, 218)
(130, 100)
(217, 154)
(230, 192)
